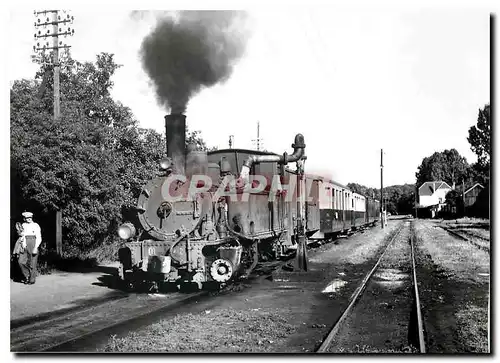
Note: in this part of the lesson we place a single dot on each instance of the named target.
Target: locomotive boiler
(204, 220)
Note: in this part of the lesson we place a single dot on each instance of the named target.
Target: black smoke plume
(190, 50)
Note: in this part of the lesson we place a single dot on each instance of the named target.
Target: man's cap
(27, 214)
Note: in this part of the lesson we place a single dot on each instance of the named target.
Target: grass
(360, 253)
(216, 331)
(473, 321)
(457, 256)
(469, 222)
(74, 259)
(357, 249)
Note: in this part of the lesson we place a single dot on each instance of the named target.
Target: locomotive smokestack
(175, 128)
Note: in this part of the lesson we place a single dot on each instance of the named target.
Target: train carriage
(359, 208)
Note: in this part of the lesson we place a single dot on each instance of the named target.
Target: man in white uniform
(30, 243)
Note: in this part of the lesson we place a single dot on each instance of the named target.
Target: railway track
(266, 269)
(69, 329)
(83, 326)
(417, 306)
(415, 326)
(65, 331)
(463, 236)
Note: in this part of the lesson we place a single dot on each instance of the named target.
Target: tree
(448, 166)
(87, 164)
(480, 141)
(454, 199)
(480, 136)
(194, 137)
(363, 190)
(398, 198)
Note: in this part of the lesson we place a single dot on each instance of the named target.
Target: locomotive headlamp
(126, 231)
(165, 163)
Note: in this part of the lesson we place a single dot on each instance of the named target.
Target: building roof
(472, 187)
(429, 188)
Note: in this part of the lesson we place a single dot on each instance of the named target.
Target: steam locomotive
(209, 217)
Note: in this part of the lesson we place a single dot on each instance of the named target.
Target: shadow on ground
(110, 280)
(76, 305)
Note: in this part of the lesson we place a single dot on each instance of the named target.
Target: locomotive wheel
(221, 270)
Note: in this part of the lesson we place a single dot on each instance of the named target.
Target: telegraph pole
(382, 188)
(416, 201)
(55, 62)
(463, 196)
(258, 135)
(258, 140)
(50, 23)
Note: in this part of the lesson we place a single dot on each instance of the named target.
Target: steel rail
(333, 332)
(420, 322)
(463, 238)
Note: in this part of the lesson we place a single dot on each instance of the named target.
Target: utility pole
(258, 135)
(382, 189)
(463, 195)
(416, 201)
(258, 140)
(50, 23)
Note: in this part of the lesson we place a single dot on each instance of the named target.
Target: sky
(352, 80)
(353, 77)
